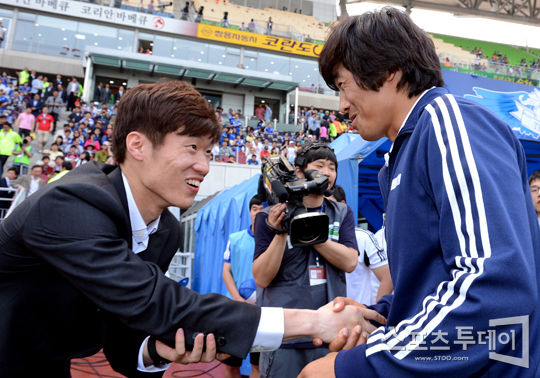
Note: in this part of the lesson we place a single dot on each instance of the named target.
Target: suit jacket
(71, 285)
(118, 96)
(55, 109)
(25, 181)
(97, 94)
(63, 95)
(3, 194)
(106, 95)
(38, 106)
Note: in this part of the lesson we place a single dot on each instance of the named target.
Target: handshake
(343, 324)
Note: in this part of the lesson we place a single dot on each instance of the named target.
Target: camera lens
(306, 232)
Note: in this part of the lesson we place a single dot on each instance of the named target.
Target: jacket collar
(412, 119)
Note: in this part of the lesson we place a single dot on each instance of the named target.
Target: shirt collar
(409, 114)
(250, 232)
(140, 231)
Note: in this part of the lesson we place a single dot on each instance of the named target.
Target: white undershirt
(271, 325)
(34, 186)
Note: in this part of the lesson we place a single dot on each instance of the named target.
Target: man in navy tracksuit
(461, 228)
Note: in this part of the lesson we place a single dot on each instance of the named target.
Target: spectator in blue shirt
(236, 124)
(253, 160)
(269, 128)
(4, 101)
(268, 113)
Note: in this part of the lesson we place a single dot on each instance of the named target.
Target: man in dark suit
(93, 278)
(58, 81)
(62, 93)
(106, 94)
(118, 95)
(36, 104)
(5, 183)
(98, 92)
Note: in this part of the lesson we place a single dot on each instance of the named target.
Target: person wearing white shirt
(31, 182)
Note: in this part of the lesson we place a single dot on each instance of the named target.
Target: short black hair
(339, 193)
(67, 165)
(14, 170)
(314, 151)
(254, 200)
(36, 166)
(535, 176)
(376, 44)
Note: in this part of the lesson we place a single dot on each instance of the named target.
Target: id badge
(317, 275)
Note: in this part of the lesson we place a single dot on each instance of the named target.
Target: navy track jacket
(463, 251)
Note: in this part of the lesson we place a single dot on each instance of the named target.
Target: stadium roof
(519, 11)
(182, 69)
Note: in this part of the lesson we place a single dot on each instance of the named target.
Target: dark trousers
(3, 159)
(24, 133)
(71, 101)
(55, 117)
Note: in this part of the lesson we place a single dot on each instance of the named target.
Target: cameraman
(22, 154)
(287, 274)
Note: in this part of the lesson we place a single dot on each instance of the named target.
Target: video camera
(280, 184)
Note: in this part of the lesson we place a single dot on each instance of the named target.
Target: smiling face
(372, 113)
(173, 172)
(325, 166)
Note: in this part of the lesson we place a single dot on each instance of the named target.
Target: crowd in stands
(501, 64)
(252, 145)
(31, 107)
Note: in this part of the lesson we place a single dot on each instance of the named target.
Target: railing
(21, 196)
(4, 210)
(486, 66)
(181, 267)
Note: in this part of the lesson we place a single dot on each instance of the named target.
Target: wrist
(300, 323)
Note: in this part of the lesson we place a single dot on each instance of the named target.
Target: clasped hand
(345, 324)
(180, 355)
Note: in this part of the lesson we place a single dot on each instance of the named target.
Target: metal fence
(181, 267)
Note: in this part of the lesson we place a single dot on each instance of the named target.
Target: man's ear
(136, 145)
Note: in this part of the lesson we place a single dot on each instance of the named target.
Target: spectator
(32, 182)
(98, 90)
(65, 168)
(36, 104)
(8, 140)
(118, 95)
(251, 26)
(26, 123)
(268, 113)
(447, 62)
(332, 132)
(72, 155)
(45, 84)
(323, 134)
(225, 150)
(106, 94)
(236, 124)
(57, 81)
(260, 111)
(274, 152)
(320, 89)
(85, 158)
(55, 152)
(237, 262)
(312, 89)
(150, 9)
(309, 39)
(103, 154)
(47, 168)
(265, 153)
(534, 185)
(62, 93)
(37, 85)
(55, 104)
(269, 25)
(252, 160)
(5, 183)
(73, 93)
(269, 128)
(22, 155)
